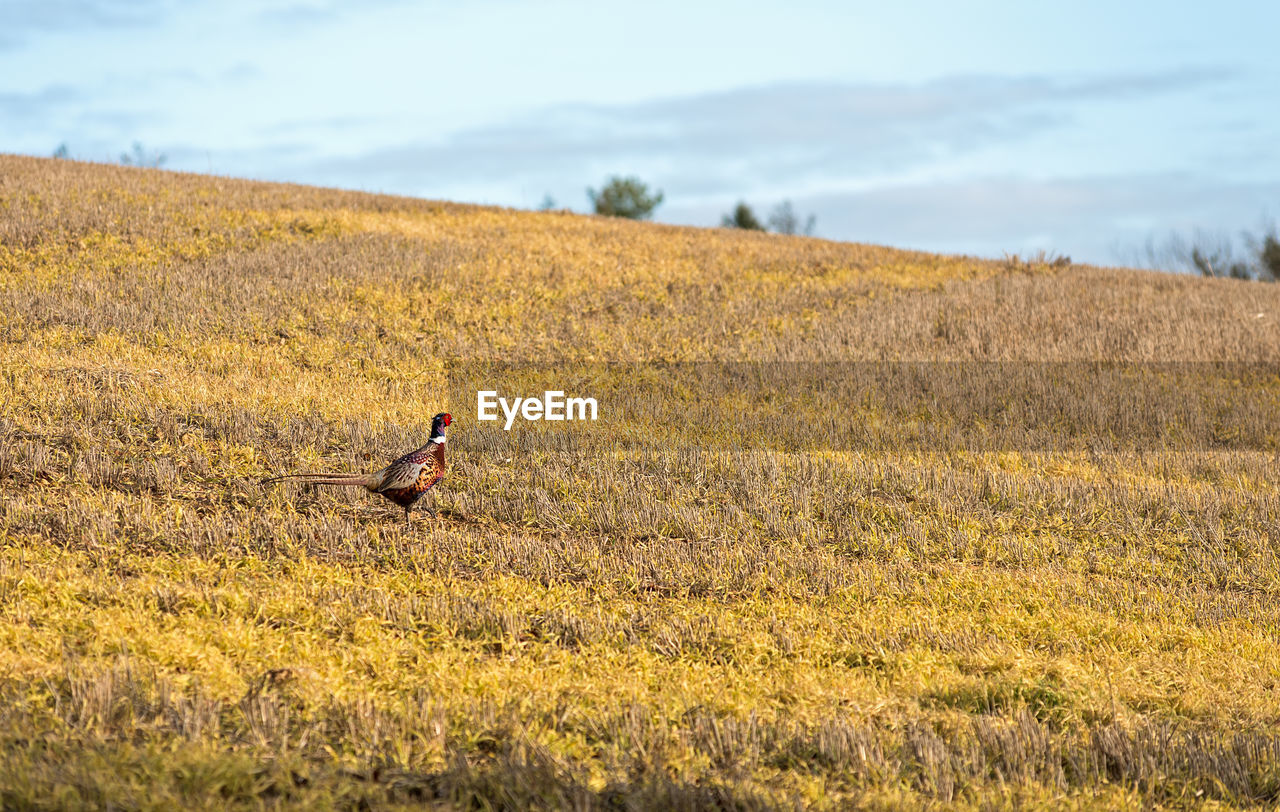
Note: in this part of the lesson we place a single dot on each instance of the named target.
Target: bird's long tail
(360, 480)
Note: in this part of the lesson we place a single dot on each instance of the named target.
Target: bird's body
(405, 480)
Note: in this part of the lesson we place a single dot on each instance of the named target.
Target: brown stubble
(597, 618)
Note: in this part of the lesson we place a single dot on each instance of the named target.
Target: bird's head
(438, 424)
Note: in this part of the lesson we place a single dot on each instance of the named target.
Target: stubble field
(856, 525)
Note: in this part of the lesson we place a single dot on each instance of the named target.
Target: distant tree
(742, 217)
(62, 151)
(1270, 255)
(1218, 263)
(1216, 255)
(783, 220)
(548, 203)
(625, 197)
(1267, 254)
(140, 157)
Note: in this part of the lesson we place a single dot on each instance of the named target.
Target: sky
(1084, 129)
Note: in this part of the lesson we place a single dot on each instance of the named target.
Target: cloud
(241, 71)
(21, 110)
(294, 15)
(26, 18)
(73, 116)
(302, 128)
(718, 143)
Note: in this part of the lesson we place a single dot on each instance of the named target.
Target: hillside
(855, 524)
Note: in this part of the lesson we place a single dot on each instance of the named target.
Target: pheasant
(403, 481)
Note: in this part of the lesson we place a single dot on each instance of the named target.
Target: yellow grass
(1007, 576)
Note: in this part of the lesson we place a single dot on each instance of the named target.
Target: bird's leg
(407, 521)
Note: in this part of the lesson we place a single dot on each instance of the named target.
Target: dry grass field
(855, 526)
